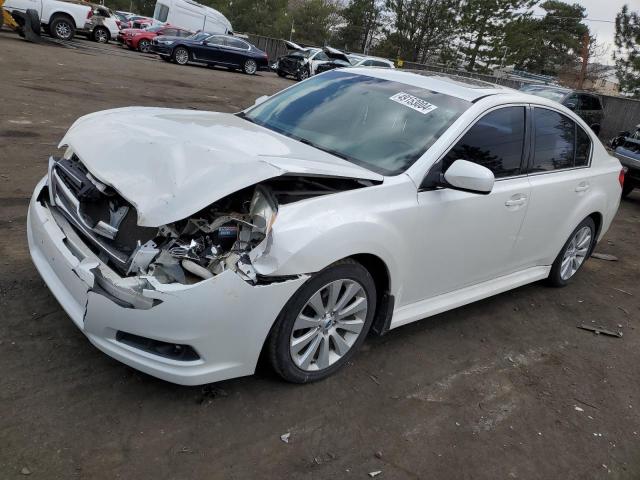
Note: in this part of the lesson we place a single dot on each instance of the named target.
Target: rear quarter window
(559, 143)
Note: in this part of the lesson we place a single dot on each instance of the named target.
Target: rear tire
(181, 56)
(250, 67)
(101, 35)
(574, 253)
(144, 46)
(281, 73)
(62, 28)
(311, 339)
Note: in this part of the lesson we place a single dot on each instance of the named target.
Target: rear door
(236, 51)
(559, 177)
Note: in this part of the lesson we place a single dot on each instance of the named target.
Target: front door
(463, 238)
(211, 50)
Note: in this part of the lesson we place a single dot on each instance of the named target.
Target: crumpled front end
(187, 333)
(181, 301)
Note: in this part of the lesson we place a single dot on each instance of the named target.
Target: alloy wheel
(250, 67)
(182, 56)
(575, 253)
(101, 35)
(144, 46)
(328, 325)
(63, 30)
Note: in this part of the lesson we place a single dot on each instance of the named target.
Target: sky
(603, 10)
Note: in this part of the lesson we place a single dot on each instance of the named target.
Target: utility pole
(585, 60)
(292, 31)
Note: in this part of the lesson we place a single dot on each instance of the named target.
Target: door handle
(516, 200)
(583, 187)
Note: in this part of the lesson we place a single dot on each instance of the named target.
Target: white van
(192, 16)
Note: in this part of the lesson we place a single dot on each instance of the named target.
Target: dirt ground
(505, 388)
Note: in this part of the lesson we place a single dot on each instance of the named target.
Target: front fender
(301, 248)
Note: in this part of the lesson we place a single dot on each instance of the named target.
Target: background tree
(362, 24)
(627, 53)
(544, 45)
(249, 15)
(315, 21)
(482, 26)
(420, 29)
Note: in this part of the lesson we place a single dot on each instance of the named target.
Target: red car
(138, 39)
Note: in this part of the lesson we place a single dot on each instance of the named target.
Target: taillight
(621, 177)
(90, 14)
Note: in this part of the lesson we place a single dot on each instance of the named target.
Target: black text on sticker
(415, 103)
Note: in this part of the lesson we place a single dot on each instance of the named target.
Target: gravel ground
(505, 388)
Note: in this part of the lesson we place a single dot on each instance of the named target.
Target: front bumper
(161, 49)
(224, 319)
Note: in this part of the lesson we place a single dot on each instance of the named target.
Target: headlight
(165, 42)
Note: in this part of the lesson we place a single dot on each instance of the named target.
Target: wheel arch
(597, 218)
(384, 299)
(62, 14)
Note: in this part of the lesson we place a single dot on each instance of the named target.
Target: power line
(573, 18)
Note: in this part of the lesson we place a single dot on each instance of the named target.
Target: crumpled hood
(172, 163)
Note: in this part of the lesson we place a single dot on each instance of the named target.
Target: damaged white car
(186, 243)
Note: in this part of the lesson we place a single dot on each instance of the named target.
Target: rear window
(559, 142)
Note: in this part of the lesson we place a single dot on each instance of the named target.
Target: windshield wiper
(327, 150)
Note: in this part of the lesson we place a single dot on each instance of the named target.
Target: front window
(198, 37)
(381, 125)
(496, 141)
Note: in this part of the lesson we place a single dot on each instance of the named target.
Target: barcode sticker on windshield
(415, 103)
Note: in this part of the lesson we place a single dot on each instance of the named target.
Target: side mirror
(469, 177)
(261, 99)
(571, 105)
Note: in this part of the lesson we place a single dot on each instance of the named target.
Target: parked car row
(626, 148)
(303, 62)
(64, 19)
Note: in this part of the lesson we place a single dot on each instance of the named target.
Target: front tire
(303, 74)
(322, 326)
(573, 254)
(181, 56)
(144, 46)
(281, 73)
(62, 28)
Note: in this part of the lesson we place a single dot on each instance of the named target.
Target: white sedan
(185, 243)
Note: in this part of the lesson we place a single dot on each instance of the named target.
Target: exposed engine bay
(217, 238)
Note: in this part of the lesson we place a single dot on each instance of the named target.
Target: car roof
(466, 88)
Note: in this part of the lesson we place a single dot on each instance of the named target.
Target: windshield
(155, 28)
(302, 53)
(198, 37)
(550, 93)
(354, 58)
(381, 125)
